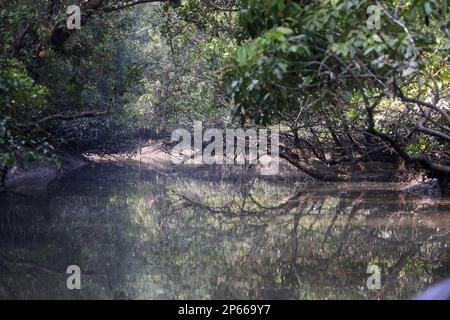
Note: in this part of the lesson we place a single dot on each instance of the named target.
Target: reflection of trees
(139, 234)
(333, 238)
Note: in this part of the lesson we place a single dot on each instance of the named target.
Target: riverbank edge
(36, 178)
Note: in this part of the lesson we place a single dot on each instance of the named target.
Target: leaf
(285, 30)
(242, 56)
(376, 38)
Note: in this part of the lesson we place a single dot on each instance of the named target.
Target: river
(211, 233)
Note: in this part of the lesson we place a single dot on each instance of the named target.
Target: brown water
(205, 234)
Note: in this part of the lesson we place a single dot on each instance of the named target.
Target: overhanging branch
(66, 117)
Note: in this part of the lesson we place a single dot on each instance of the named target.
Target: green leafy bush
(21, 101)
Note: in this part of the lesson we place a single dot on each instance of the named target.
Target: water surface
(203, 233)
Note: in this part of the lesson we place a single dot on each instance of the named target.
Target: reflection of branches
(346, 232)
(225, 210)
(10, 291)
(319, 215)
(298, 200)
(333, 220)
(17, 262)
(321, 241)
(5, 260)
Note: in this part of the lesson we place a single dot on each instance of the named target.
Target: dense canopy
(347, 81)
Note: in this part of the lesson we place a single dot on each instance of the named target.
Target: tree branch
(65, 117)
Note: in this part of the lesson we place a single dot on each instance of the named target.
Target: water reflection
(201, 233)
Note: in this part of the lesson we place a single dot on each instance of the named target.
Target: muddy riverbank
(38, 175)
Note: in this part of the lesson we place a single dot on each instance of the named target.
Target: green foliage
(20, 100)
(333, 78)
(94, 71)
(185, 51)
(154, 67)
(297, 50)
(102, 74)
(316, 68)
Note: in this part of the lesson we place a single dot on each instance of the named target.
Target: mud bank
(154, 158)
(36, 178)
